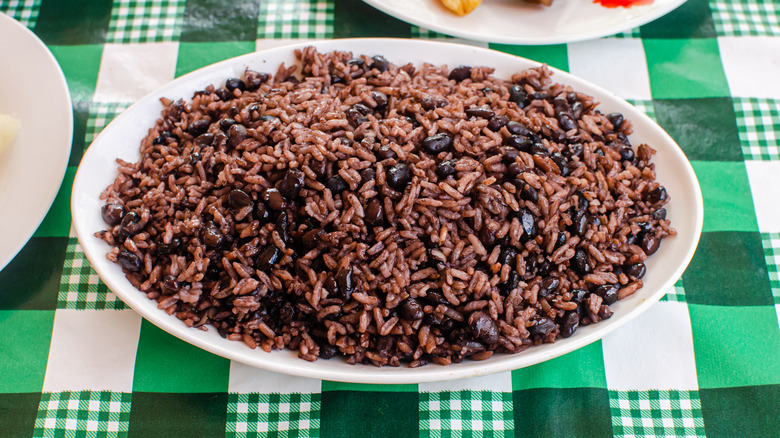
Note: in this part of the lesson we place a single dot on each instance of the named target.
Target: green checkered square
(145, 21)
(80, 286)
(631, 33)
(676, 293)
(24, 11)
(304, 19)
(656, 413)
(273, 415)
(466, 413)
(746, 17)
(423, 33)
(771, 244)
(758, 121)
(83, 414)
(646, 106)
(100, 115)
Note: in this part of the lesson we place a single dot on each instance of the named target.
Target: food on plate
(9, 127)
(464, 7)
(389, 214)
(461, 7)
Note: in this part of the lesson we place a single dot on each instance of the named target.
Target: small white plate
(33, 90)
(122, 137)
(519, 22)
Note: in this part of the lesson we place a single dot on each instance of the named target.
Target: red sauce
(623, 3)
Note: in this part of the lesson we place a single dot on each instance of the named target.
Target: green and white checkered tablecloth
(705, 361)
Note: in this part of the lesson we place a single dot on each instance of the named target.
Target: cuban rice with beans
(388, 214)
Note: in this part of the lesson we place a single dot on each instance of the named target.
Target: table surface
(705, 361)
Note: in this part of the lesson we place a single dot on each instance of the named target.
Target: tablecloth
(705, 361)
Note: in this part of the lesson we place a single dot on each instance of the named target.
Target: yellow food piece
(461, 7)
(9, 126)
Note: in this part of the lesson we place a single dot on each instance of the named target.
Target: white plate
(32, 89)
(518, 22)
(122, 138)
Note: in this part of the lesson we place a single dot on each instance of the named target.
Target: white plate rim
(57, 94)
(390, 7)
(288, 363)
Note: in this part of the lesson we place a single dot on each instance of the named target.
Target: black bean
(328, 351)
(398, 176)
(112, 213)
(483, 327)
(356, 61)
(129, 261)
(336, 184)
(311, 239)
(235, 84)
(254, 80)
(616, 119)
(460, 73)
(212, 236)
(605, 312)
(659, 214)
(558, 136)
(497, 122)
(483, 112)
(411, 310)
(561, 240)
(656, 195)
(437, 143)
(545, 267)
(362, 109)
(626, 153)
(261, 213)
(571, 97)
(223, 94)
(576, 110)
(385, 153)
(194, 158)
(507, 256)
(345, 283)
(608, 292)
(487, 236)
(367, 174)
(528, 222)
(375, 212)
(380, 99)
(520, 142)
(649, 243)
(637, 271)
(331, 286)
(290, 185)
(515, 169)
(517, 128)
(269, 257)
(239, 199)
(445, 169)
(283, 226)
(580, 262)
(129, 225)
(160, 140)
(510, 155)
(204, 139)
(539, 149)
(274, 199)
(569, 324)
(580, 223)
(579, 295)
(562, 164)
(538, 95)
(169, 285)
(548, 286)
(529, 193)
(567, 124)
(198, 127)
(267, 118)
(380, 63)
(429, 103)
(319, 167)
(168, 248)
(542, 328)
(518, 95)
(236, 134)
